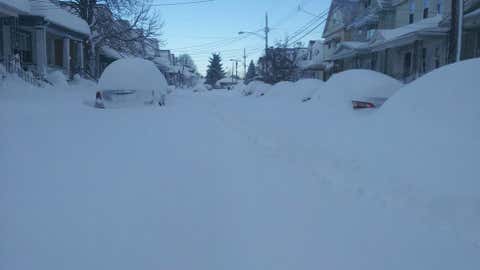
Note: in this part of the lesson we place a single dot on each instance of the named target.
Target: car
(368, 103)
(131, 82)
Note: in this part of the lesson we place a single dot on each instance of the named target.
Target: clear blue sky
(187, 27)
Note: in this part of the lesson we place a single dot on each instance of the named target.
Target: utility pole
(456, 27)
(460, 30)
(244, 63)
(267, 30)
(234, 67)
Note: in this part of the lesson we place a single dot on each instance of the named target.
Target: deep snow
(217, 180)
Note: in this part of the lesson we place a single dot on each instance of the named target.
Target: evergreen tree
(215, 70)
(251, 73)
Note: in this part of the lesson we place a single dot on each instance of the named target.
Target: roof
(347, 10)
(19, 6)
(392, 34)
(57, 15)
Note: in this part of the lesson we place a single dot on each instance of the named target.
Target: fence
(12, 65)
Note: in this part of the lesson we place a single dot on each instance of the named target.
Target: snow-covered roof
(19, 6)
(57, 15)
(391, 34)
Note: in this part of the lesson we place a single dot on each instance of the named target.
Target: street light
(266, 29)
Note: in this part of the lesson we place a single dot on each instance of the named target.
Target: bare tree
(125, 25)
(280, 62)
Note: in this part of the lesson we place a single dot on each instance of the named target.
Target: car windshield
(255, 134)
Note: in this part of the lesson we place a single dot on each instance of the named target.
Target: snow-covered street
(215, 180)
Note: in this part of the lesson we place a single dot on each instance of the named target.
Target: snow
(55, 14)
(19, 5)
(57, 78)
(219, 181)
(133, 74)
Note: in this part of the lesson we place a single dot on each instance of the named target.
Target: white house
(46, 37)
(402, 38)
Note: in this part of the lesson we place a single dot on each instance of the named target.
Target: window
(424, 60)
(329, 45)
(426, 5)
(439, 6)
(368, 3)
(370, 34)
(437, 57)
(24, 47)
(411, 15)
(407, 63)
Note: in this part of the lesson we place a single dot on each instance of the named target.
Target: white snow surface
(215, 180)
(55, 14)
(133, 74)
(18, 5)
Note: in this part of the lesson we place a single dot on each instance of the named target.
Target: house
(43, 37)
(402, 38)
(166, 63)
(314, 67)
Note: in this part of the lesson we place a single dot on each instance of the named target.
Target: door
(407, 64)
(58, 52)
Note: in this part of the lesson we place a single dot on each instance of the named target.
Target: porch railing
(12, 66)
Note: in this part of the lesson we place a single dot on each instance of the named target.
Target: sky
(203, 28)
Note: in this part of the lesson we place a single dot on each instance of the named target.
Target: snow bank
(133, 74)
(428, 143)
(57, 78)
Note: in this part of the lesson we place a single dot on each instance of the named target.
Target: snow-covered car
(358, 89)
(256, 88)
(131, 82)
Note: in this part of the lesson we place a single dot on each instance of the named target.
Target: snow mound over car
(350, 85)
(133, 74)
(256, 88)
(295, 91)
